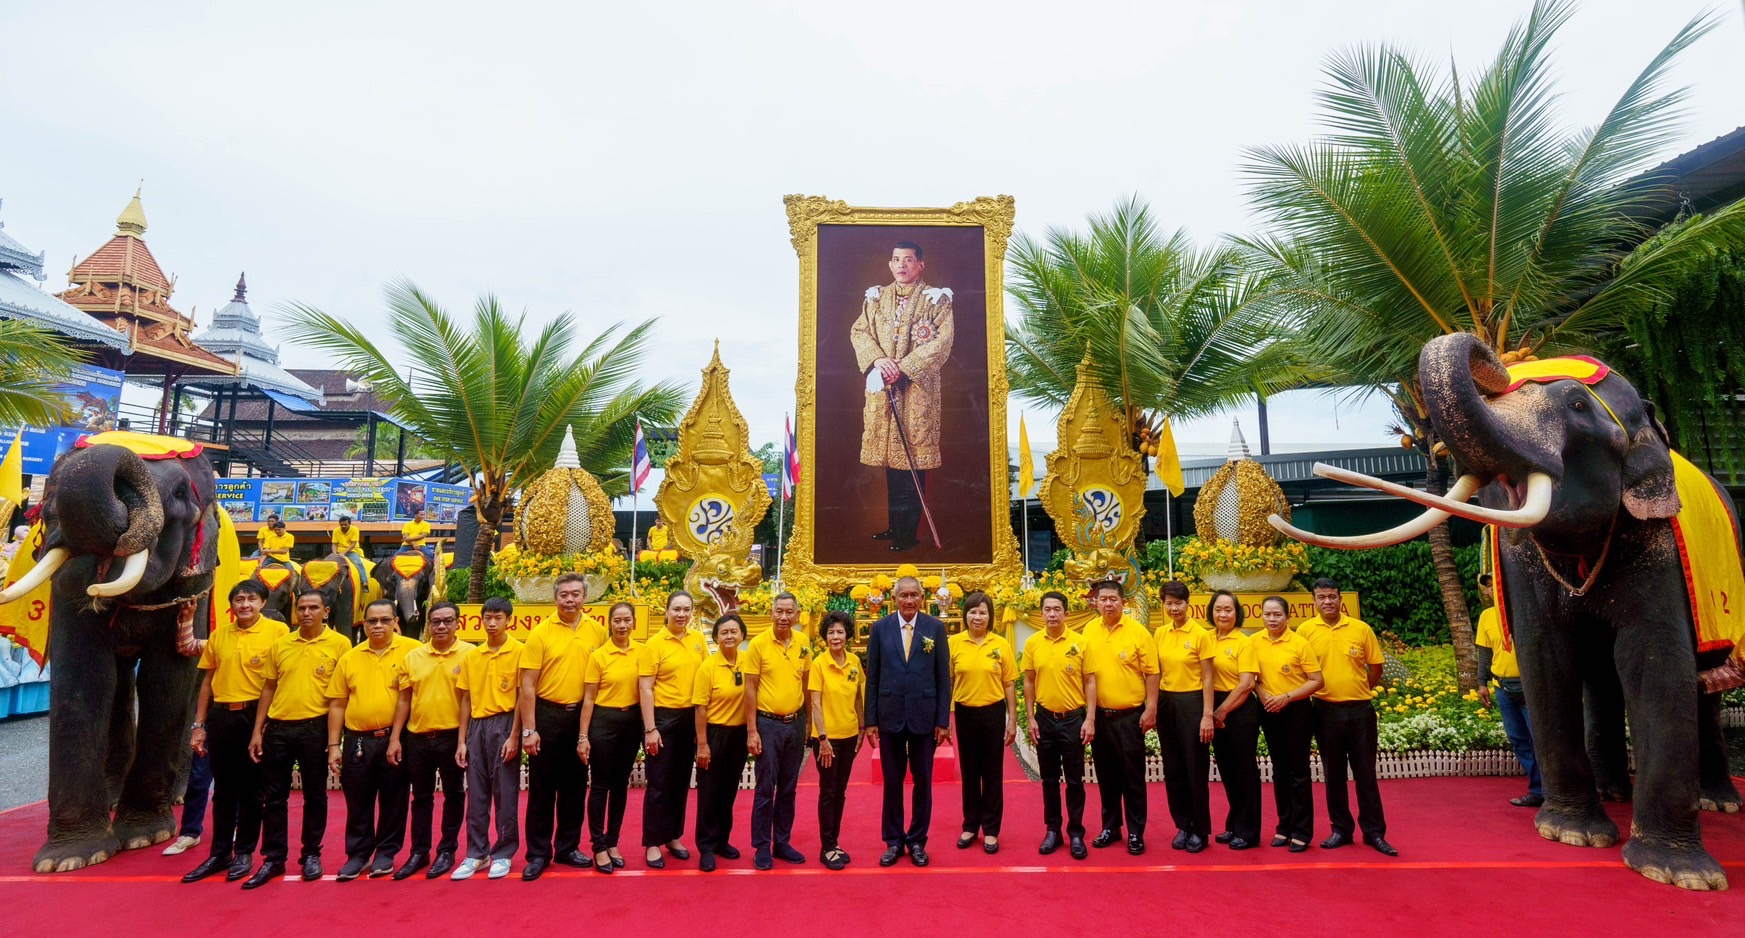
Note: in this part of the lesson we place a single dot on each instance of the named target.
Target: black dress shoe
(834, 859)
(1107, 838)
(1298, 847)
(352, 869)
(680, 852)
(1280, 840)
(1382, 846)
(1179, 841)
(1050, 843)
(211, 866)
(918, 855)
(1225, 837)
(605, 868)
(1076, 846)
(884, 535)
(1528, 800)
(1195, 843)
(617, 862)
(706, 861)
(444, 863)
(903, 545)
(575, 858)
(415, 861)
(267, 873)
(965, 840)
(1135, 845)
(533, 869)
(1336, 840)
(1239, 843)
(888, 858)
(311, 869)
(787, 854)
(990, 847)
(727, 852)
(763, 861)
(658, 863)
(384, 866)
(240, 866)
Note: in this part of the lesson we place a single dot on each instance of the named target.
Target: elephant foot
(1720, 795)
(1684, 867)
(1578, 828)
(140, 828)
(75, 852)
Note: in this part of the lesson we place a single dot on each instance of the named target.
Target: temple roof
(236, 329)
(19, 299)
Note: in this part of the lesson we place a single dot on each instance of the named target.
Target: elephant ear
(1650, 489)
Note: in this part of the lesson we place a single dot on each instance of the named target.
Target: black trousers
(1118, 750)
(430, 756)
(236, 780)
(833, 790)
(375, 798)
(286, 744)
(1234, 745)
(557, 782)
(669, 776)
(1346, 731)
(911, 753)
(981, 750)
(1287, 740)
(1187, 762)
(1060, 755)
(903, 503)
(615, 736)
(718, 786)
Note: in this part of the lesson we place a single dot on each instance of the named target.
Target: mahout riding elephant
(1593, 567)
(407, 578)
(348, 588)
(130, 544)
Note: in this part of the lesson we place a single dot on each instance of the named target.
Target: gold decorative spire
(714, 494)
(131, 221)
(1095, 487)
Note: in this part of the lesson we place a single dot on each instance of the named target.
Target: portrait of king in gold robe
(902, 340)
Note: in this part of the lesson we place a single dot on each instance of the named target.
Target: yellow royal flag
(1169, 462)
(12, 472)
(1026, 465)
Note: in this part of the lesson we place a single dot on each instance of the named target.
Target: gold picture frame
(994, 216)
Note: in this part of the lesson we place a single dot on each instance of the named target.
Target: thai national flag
(640, 464)
(790, 459)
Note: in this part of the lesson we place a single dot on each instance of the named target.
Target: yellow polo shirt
(276, 545)
(981, 670)
(614, 669)
(1285, 662)
(344, 541)
(560, 655)
(1058, 665)
(302, 667)
(370, 682)
(237, 659)
(781, 673)
(414, 532)
(492, 678)
(1232, 657)
(841, 690)
(433, 676)
(672, 661)
(1121, 660)
(1490, 635)
(1179, 653)
(719, 688)
(1345, 649)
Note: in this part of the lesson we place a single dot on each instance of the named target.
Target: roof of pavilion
(236, 329)
(19, 299)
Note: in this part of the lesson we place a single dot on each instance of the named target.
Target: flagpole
(782, 499)
(1168, 531)
(634, 491)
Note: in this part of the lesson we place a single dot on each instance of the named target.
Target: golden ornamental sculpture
(564, 512)
(714, 495)
(1243, 551)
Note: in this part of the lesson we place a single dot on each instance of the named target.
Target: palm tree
(1169, 328)
(494, 405)
(1439, 205)
(33, 361)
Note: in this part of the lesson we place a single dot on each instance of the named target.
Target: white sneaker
(180, 845)
(499, 869)
(467, 868)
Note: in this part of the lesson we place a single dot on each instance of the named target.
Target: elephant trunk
(1460, 374)
(108, 504)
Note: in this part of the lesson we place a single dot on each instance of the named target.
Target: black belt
(779, 718)
(303, 722)
(560, 706)
(996, 704)
(438, 734)
(1060, 715)
(1115, 711)
(375, 733)
(244, 705)
(629, 709)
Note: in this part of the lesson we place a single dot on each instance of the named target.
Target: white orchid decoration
(872, 293)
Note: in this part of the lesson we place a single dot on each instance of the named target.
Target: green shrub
(460, 579)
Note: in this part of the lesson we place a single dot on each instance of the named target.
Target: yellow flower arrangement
(1200, 555)
(513, 563)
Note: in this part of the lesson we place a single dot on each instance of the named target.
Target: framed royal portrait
(902, 391)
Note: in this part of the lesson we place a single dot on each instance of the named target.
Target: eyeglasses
(447, 620)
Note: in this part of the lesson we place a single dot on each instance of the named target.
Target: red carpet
(1469, 862)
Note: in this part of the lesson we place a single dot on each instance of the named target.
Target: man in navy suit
(908, 707)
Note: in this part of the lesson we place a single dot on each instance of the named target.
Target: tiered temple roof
(236, 330)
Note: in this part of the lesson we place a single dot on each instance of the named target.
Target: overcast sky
(626, 161)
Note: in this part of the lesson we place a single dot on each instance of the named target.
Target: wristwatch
(197, 726)
(527, 733)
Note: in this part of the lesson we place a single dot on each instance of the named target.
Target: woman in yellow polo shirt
(837, 687)
(1184, 718)
(719, 696)
(984, 674)
(612, 731)
(667, 679)
(1236, 722)
(1289, 674)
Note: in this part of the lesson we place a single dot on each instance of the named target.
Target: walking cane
(909, 454)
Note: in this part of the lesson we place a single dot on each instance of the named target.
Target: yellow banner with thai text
(528, 615)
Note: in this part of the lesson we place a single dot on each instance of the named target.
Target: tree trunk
(1448, 577)
(490, 516)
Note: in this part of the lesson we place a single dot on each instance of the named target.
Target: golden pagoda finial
(714, 494)
(131, 221)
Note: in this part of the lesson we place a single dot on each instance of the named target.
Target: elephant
(346, 589)
(113, 639)
(1575, 468)
(281, 581)
(407, 578)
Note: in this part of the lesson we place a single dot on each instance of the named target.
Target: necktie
(908, 638)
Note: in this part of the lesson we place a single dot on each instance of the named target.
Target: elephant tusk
(1463, 489)
(1536, 506)
(132, 571)
(36, 576)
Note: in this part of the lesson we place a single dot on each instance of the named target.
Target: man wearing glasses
(427, 734)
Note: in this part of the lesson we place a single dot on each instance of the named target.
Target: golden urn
(1233, 506)
(564, 511)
